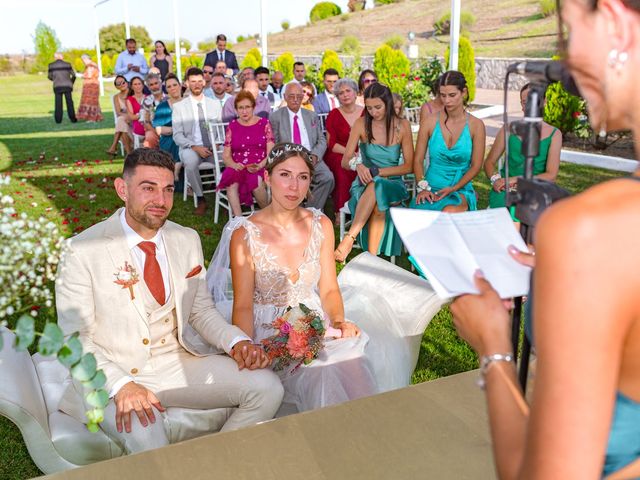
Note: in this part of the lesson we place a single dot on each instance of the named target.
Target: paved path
(496, 97)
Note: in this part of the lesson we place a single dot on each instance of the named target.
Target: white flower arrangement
(29, 253)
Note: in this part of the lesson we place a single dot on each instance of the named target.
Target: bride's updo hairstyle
(283, 151)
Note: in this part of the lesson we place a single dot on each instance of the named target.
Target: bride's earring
(617, 59)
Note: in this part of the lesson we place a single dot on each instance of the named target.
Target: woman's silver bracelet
(485, 363)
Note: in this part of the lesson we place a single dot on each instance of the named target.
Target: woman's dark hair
(164, 47)
(131, 92)
(304, 84)
(381, 91)
(171, 76)
(115, 80)
(363, 74)
(244, 95)
(283, 151)
(524, 88)
(456, 79)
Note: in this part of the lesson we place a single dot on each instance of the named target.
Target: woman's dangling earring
(617, 59)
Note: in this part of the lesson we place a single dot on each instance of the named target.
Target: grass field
(72, 185)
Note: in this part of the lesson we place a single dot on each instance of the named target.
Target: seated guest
(277, 86)
(338, 125)
(383, 137)
(161, 60)
(327, 101)
(207, 73)
(247, 73)
(307, 91)
(223, 55)
(140, 335)
(123, 124)
(367, 77)
(248, 141)
(230, 85)
(584, 417)
(191, 133)
(134, 105)
(456, 147)
(162, 120)
(130, 63)
(221, 67)
(149, 104)
(432, 106)
(262, 77)
(294, 124)
(262, 108)
(218, 87)
(545, 165)
(398, 105)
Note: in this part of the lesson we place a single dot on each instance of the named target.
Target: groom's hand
(133, 396)
(248, 355)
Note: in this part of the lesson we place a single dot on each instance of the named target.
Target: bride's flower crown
(283, 148)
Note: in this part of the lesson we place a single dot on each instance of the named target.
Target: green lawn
(72, 185)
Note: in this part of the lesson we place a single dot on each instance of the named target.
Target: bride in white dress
(281, 256)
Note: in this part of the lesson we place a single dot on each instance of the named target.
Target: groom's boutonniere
(127, 277)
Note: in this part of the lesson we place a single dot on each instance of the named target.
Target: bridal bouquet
(299, 338)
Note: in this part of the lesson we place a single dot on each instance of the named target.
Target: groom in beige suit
(134, 287)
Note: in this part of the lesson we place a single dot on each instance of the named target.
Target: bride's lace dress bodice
(278, 285)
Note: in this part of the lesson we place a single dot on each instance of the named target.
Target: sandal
(112, 153)
(341, 253)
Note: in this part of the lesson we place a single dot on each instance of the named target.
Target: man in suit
(327, 101)
(63, 77)
(302, 126)
(222, 54)
(134, 287)
(262, 77)
(191, 119)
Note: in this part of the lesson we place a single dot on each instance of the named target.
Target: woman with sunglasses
(308, 96)
(123, 125)
(367, 77)
(584, 420)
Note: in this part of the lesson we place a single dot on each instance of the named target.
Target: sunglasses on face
(207, 72)
(119, 84)
(369, 80)
(307, 93)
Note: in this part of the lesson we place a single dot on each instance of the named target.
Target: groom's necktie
(152, 272)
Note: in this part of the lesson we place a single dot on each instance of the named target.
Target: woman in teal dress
(456, 143)
(382, 137)
(584, 418)
(545, 165)
(162, 119)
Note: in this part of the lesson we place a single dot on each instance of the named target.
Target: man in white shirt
(142, 323)
(262, 77)
(222, 54)
(299, 72)
(207, 73)
(130, 63)
(327, 101)
(277, 86)
(299, 125)
(191, 119)
(219, 89)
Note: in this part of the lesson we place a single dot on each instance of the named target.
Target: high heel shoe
(111, 153)
(341, 253)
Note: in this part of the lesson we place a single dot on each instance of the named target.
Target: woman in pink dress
(248, 141)
(338, 125)
(89, 109)
(134, 103)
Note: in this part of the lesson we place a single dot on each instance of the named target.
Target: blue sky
(73, 20)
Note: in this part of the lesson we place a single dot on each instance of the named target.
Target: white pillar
(176, 32)
(455, 34)
(127, 29)
(263, 33)
(98, 55)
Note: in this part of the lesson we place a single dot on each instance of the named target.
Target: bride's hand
(249, 356)
(348, 329)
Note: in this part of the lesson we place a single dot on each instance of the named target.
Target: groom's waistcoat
(163, 323)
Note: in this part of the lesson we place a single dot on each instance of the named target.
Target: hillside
(497, 32)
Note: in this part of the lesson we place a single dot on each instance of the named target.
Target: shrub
(240, 38)
(78, 65)
(350, 45)
(46, 44)
(443, 25)
(252, 59)
(284, 63)
(548, 7)
(314, 76)
(207, 44)
(171, 45)
(323, 10)
(330, 59)
(466, 64)
(285, 24)
(417, 90)
(392, 67)
(395, 41)
(562, 109)
(107, 66)
(5, 64)
(386, 2)
(430, 72)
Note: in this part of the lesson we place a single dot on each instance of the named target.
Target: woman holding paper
(382, 137)
(545, 165)
(585, 411)
(456, 141)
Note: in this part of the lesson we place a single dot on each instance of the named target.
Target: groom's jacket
(93, 298)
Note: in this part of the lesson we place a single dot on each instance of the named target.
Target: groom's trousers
(180, 379)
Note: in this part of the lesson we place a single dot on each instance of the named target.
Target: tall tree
(46, 44)
(112, 38)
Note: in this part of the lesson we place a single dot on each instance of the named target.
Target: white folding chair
(208, 170)
(323, 121)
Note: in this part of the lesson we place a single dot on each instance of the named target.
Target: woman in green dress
(545, 165)
(382, 137)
